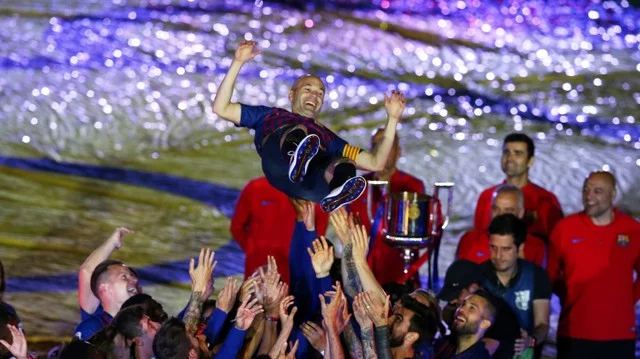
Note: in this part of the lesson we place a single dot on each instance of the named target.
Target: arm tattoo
(367, 343)
(353, 343)
(381, 335)
(192, 316)
(352, 280)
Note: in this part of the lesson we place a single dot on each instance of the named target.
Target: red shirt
(474, 246)
(591, 269)
(542, 210)
(386, 262)
(263, 224)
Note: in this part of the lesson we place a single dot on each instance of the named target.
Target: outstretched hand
(116, 236)
(247, 312)
(201, 275)
(18, 346)
(245, 51)
(321, 257)
(394, 105)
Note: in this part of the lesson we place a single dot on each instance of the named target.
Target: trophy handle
(384, 185)
(435, 226)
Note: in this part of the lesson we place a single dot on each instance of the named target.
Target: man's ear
(531, 161)
(193, 354)
(485, 324)
(291, 95)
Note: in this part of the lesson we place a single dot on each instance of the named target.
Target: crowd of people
(306, 296)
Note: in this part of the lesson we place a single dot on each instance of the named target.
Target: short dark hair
(492, 307)
(508, 224)
(99, 273)
(152, 308)
(521, 137)
(104, 338)
(425, 321)
(81, 349)
(172, 340)
(127, 321)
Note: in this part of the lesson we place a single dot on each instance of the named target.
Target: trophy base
(407, 242)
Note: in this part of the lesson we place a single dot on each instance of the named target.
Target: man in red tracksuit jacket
(542, 209)
(592, 257)
(386, 262)
(474, 245)
(263, 224)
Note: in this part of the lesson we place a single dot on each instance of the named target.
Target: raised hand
(305, 212)
(334, 312)
(245, 51)
(246, 312)
(360, 312)
(394, 105)
(343, 224)
(315, 335)
(283, 351)
(286, 320)
(360, 240)
(201, 275)
(18, 346)
(321, 257)
(116, 236)
(270, 286)
(227, 296)
(377, 312)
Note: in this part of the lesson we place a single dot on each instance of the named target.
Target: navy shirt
(92, 324)
(265, 120)
(445, 348)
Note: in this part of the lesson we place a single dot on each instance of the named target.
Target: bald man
(507, 199)
(592, 258)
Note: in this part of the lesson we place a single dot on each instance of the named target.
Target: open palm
(321, 257)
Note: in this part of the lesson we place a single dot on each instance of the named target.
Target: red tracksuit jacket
(542, 210)
(591, 269)
(263, 224)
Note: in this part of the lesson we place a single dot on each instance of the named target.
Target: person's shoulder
(543, 192)
(570, 220)
(628, 222)
(88, 326)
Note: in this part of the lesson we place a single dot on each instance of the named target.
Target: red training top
(263, 224)
(474, 246)
(591, 269)
(542, 210)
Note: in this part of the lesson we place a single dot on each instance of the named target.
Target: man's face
(597, 195)
(504, 253)
(307, 96)
(514, 159)
(399, 323)
(469, 316)
(506, 203)
(394, 154)
(122, 283)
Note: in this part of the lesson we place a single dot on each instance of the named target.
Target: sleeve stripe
(350, 152)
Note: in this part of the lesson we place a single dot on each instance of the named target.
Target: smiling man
(300, 156)
(112, 283)
(471, 321)
(542, 209)
(593, 255)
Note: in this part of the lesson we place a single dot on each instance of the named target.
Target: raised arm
(343, 224)
(88, 302)
(360, 242)
(222, 105)
(377, 158)
(200, 277)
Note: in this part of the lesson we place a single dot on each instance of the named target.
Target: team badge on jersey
(623, 240)
(522, 299)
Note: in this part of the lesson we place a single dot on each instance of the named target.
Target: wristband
(271, 319)
(533, 342)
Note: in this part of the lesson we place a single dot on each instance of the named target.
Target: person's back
(263, 224)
